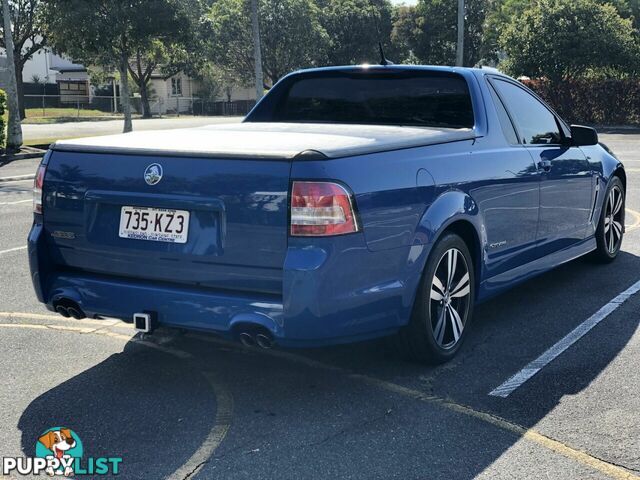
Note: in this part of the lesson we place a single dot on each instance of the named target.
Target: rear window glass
(424, 99)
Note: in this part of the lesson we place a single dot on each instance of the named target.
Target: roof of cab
(378, 67)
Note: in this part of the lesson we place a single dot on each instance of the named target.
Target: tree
(355, 27)
(28, 37)
(290, 32)
(404, 34)
(14, 129)
(558, 39)
(433, 25)
(177, 47)
(257, 49)
(107, 33)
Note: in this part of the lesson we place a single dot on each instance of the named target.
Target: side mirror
(583, 136)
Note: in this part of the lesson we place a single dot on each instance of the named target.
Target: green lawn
(60, 115)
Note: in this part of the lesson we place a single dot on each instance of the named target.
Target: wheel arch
(456, 212)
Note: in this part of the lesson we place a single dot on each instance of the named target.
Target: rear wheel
(611, 225)
(444, 304)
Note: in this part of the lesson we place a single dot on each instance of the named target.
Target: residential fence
(95, 106)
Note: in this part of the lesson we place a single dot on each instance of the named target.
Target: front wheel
(444, 304)
(610, 228)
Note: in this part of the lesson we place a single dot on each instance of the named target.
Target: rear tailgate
(237, 228)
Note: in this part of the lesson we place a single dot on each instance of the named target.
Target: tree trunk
(125, 95)
(14, 129)
(20, 90)
(257, 53)
(144, 99)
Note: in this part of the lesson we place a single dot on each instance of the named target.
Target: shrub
(592, 101)
(3, 119)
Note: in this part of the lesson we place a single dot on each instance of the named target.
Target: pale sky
(406, 2)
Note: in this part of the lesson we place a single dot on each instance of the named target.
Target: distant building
(66, 82)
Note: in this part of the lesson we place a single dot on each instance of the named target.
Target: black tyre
(610, 228)
(444, 304)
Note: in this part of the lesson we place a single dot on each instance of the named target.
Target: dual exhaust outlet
(252, 339)
(68, 308)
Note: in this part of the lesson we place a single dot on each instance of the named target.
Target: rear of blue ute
(249, 266)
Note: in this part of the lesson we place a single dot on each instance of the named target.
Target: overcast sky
(407, 2)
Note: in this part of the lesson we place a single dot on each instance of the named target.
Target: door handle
(544, 165)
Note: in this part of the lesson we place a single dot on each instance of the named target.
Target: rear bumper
(335, 291)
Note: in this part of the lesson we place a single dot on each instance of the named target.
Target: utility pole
(257, 53)
(14, 129)
(460, 45)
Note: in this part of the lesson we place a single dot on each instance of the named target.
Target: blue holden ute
(351, 203)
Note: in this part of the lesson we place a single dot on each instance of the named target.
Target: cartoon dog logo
(59, 441)
(153, 174)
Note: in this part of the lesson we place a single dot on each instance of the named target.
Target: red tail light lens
(321, 209)
(37, 189)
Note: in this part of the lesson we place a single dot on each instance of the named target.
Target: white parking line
(13, 250)
(572, 337)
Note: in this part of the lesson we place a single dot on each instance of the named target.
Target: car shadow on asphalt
(135, 403)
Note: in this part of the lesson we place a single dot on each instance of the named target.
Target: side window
(505, 121)
(535, 122)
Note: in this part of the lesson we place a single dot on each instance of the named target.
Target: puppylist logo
(59, 452)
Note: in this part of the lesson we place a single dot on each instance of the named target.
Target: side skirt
(495, 285)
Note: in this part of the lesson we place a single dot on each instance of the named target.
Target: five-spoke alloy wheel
(449, 298)
(444, 303)
(610, 228)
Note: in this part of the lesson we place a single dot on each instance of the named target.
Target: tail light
(37, 189)
(321, 209)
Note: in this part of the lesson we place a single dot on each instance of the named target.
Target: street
(177, 405)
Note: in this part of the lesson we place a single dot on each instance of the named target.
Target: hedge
(3, 126)
(592, 102)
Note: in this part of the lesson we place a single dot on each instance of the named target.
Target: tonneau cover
(267, 140)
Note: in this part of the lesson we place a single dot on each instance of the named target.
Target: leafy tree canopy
(355, 27)
(569, 38)
(291, 34)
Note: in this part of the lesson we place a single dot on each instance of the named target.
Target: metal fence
(84, 106)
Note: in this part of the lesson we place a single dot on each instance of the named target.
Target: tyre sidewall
(603, 251)
(422, 315)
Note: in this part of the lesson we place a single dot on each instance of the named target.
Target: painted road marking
(224, 398)
(224, 413)
(572, 337)
(13, 250)
(16, 203)
(636, 223)
(613, 471)
(577, 455)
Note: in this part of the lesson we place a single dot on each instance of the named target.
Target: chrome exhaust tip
(264, 341)
(76, 313)
(247, 339)
(63, 311)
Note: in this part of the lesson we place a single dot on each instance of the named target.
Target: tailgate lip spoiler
(281, 155)
(284, 155)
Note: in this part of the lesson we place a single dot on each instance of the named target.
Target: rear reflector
(321, 209)
(37, 189)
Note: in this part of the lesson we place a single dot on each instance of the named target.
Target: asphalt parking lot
(190, 406)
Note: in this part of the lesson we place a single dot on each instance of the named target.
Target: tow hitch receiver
(145, 322)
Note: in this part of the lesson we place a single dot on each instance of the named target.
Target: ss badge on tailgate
(153, 174)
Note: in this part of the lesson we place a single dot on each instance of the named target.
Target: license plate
(155, 224)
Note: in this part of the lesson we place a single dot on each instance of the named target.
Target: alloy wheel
(613, 226)
(449, 299)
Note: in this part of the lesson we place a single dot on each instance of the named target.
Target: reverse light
(37, 189)
(321, 209)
